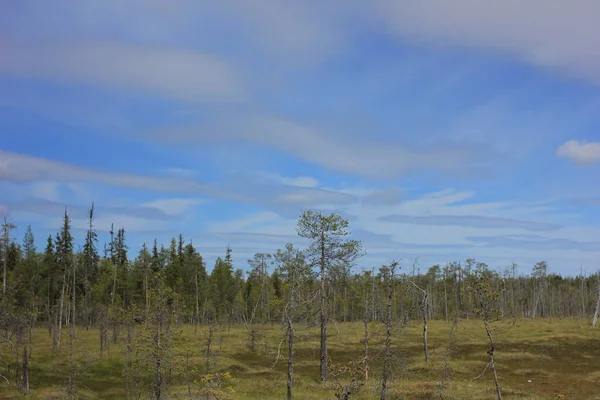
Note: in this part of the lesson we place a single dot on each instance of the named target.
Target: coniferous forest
(92, 302)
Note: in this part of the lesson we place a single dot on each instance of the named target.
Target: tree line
(76, 283)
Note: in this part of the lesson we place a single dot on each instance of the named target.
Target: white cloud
(581, 153)
(3, 211)
(173, 73)
(554, 34)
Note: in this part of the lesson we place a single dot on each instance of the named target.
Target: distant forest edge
(40, 283)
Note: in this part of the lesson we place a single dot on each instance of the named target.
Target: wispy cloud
(16, 167)
(388, 196)
(474, 221)
(359, 156)
(177, 74)
(558, 36)
(543, 244)
(54, 209)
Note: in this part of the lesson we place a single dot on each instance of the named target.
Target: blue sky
(442, 130)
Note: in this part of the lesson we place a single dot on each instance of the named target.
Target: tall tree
(222, 286)
(328, 248)
(28, 272)
(90, 262)
(64, 260)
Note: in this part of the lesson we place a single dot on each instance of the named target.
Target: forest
(156, 323)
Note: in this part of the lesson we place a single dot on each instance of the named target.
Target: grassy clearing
(560, 357)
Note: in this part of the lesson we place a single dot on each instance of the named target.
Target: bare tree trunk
(146, 290)
(290, 320)
(55, 330)
(374, 314)
(158, 381)
(445, 299)
(208, 344)
(197, 319)
(25, 381)
(71, 388)
(290, 376)
(6, 227)
(114, 288)
(366, 346)
(104, 342)
(388, 335)
(424, 308)
(583, 311)
(597, 312)
(5, 240)
(323, 315)
(491, 355)
(424, 313)
(60, 314)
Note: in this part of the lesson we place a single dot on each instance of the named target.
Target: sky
(440, 130)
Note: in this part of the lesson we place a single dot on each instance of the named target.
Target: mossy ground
(559, 357)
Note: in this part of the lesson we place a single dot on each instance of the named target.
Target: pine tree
(327, 249)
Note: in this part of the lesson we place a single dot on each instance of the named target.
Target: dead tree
(291, 332)
(597, 312)
(6, 228)
(424, 311)
(387, 360)
(366, 315)
(486, 308)
(207, 347)
(71, 386)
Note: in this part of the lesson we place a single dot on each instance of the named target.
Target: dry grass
(559, 357)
